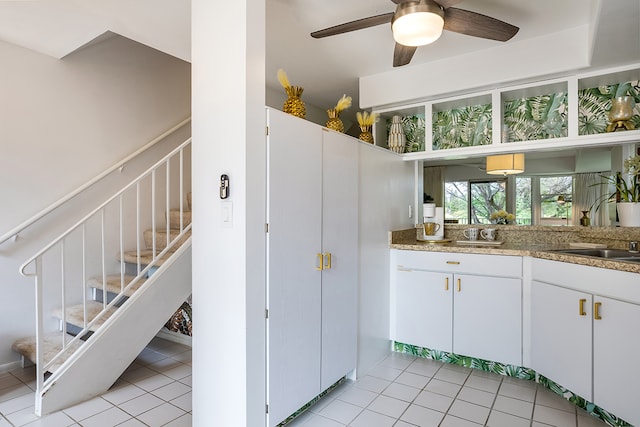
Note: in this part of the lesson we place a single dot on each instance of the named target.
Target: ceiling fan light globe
(417, 29)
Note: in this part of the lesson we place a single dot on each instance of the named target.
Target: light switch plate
(226, 214)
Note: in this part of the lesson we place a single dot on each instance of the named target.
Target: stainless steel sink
(614, 254)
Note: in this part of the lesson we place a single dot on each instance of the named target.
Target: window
(472, 202)
(456, 201)
(523, 201)
(555, 200)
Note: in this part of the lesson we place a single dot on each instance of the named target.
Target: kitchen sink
(613, 254)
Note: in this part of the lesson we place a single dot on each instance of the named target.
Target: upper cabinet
(559, 113)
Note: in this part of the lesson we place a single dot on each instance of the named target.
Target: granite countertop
(406, 240)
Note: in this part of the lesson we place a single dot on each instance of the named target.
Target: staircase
(90, 327)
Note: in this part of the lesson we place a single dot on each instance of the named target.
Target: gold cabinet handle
(320, 262)
(459, 285)
(453, 262)
(581, 309)
(596, 311)
(327, 257)
(446, 283)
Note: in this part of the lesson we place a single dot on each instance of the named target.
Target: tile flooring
(402, 391)
(154, 391)
(405, 391)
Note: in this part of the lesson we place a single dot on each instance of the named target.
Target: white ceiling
(326, 68)
(329, 67)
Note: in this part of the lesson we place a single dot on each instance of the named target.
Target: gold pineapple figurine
(293, 105)
(334, 122)
(366, 121)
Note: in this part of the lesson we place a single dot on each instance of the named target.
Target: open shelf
(549, 114)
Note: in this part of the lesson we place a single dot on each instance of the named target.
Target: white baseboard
(176, 337)
(13, 365)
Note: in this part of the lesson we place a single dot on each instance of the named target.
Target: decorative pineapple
(366, 121)
(293, 105)
(334, 121)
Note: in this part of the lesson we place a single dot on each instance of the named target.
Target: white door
(487, 320)
(616, 344)
(294, 240)
(423, 308)
(340, 242)
(561, 336)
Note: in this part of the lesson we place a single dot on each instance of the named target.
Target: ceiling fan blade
(402, 54)
(477, 25)
(359, 24)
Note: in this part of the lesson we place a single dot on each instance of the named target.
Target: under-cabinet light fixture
(505, 164)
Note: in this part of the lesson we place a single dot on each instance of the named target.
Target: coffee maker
(431, 213)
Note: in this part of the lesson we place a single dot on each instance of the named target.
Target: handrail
(96, 210)
(16, 230)
(64, 283)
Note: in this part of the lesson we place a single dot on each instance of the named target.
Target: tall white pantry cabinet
(312, 250)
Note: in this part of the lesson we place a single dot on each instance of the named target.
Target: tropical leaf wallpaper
(594, 105)
(511, 371)
(537, 117)
(414, 128)
(525, 119)
(462, 127)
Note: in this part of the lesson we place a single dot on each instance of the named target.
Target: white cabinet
(312, 261)
(424, 308)
(616, 344)
(561, 336)
(581, 334)
(340, 242)
(458, 303)
(488, 317)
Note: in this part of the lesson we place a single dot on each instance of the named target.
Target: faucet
(633, 246)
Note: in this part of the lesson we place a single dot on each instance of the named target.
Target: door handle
(320, 262)
(327, 257)
(446, 283)
(596, 311)
(459, 285)
(581, 308)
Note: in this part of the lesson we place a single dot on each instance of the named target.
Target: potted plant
(502, 217)
(627, 192)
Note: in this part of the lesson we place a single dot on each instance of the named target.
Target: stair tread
(146, 255)
(75, 314)
(52, 344)
(113, 283)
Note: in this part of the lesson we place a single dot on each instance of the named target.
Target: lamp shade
(417, 24)
(505, 164)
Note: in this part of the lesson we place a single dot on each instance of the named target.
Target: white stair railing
(95, 246)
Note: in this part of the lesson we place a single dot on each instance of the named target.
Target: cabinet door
(616, 344)
(487, 320)
(561, 336)
(424, 308)
(340, 240)
(294, 239)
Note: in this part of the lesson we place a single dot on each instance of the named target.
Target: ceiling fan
(417, 23)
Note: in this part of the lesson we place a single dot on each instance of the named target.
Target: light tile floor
(406, 391)
(154, 391)
(402, 391)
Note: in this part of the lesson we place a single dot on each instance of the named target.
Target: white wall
(62, 122)
(511, 62)
(229, 262)
(386, 189)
